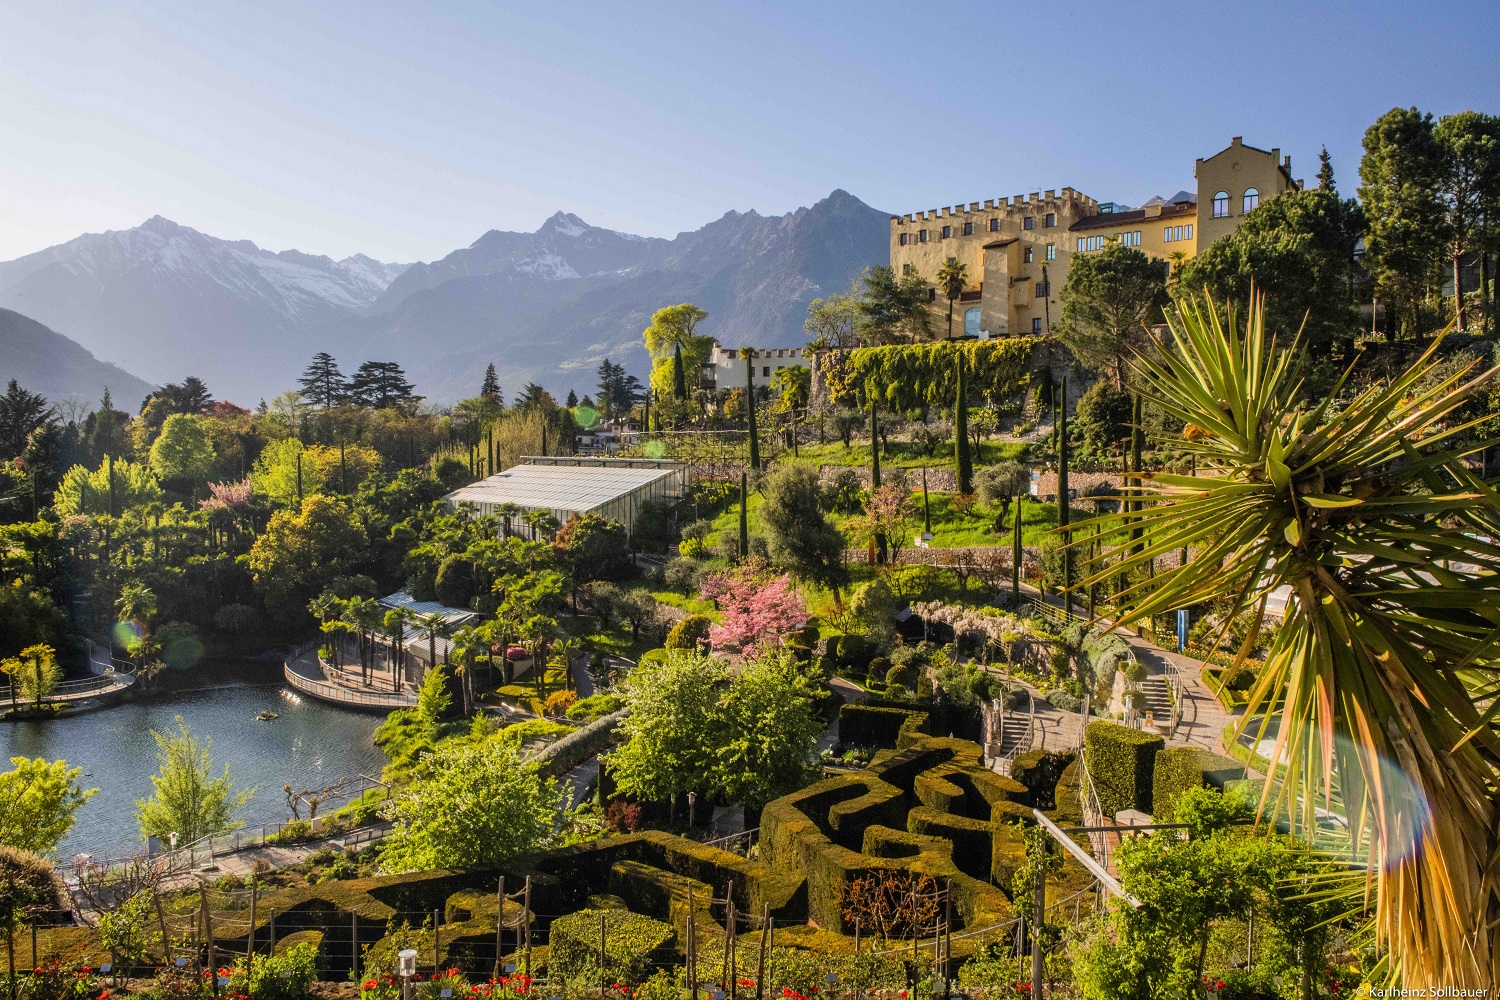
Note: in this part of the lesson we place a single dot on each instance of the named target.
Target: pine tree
(379, 384)
(490, 390)
(963, 462)
(1325, 171)
(572, 399)
(21, 413)
(322, 382)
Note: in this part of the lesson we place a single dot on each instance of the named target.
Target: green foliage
(38, 800)
(798, 535)
(892, 307)
(1120, 762)
(1178, 769)
(594, 547)
(183, 450)
(1399, 177)
(1206, 810)
(631, 942)
(187, 799)
(875, 725)
(1298, 250)
(1110, 302)
(29, 884)
(595, 706)
(435, 701)
(129, 930)
(275, 475)
(287, 975)
(85, 492)
(695, 725)
(470, 805)
(915, 376)
(303, 551)
(672, 334)
(1102, 418)
(689, 632)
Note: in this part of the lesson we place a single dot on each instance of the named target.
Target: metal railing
(1026, 741)
(1093, 812)
(338, 693)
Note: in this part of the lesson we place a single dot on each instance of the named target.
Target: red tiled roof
(1132, 217)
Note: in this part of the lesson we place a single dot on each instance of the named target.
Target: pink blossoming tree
(758, 608)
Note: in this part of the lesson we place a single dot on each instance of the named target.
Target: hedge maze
(925, 811)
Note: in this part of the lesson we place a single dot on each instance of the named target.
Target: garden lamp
(408, 968)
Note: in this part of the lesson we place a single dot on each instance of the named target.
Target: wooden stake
(499, 923)
(760, 965)
(437, 963)
(166, 942)
(526, 915)
(354, 942)
(250, 935)
(603, 976)
(692, 953)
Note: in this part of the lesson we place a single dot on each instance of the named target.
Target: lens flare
(128, 634)
(656, 449)
(585, 416)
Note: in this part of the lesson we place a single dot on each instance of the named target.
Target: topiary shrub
(872, 726)
(28, 884)
(631, 942)
(558, 702)
(687, 633)
(1240, 678)
(1064, 702)
(899, 676)
(1179, 768)
(1120, 762)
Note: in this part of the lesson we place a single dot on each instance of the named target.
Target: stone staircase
(1153, 695)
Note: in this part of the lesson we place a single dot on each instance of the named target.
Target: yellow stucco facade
(1016, 251)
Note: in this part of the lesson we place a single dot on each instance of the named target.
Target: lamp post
(408, 968)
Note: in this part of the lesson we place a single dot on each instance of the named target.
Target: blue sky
(405, 130)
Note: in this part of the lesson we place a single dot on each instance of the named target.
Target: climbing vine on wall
(914, 376)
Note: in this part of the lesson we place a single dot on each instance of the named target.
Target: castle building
(1016, 251)
(725, 369)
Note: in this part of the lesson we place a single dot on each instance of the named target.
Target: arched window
(1221, 204)
(971, 322)
(1252, 198)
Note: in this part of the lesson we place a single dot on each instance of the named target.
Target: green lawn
(900, 454)
(949, 528)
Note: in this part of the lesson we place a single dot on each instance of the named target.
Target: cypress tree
(744, 516)
(963, 462)
(679, 376)
(926, 510)
(750, 408)
(1062, 492)
(1016, 553)
(874, 444)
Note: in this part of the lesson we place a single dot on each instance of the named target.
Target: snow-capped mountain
(563, 249)
(167, 301)
(161, 295)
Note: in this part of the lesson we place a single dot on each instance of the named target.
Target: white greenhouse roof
(564, 487)
(452, 616)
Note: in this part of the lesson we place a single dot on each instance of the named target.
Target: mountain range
(167, 301)
(45, 361)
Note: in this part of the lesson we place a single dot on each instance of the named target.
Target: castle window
(971, 322)
(1028, 223)
(1187, 232)
(994, 225)
(1026, 255)
(1043, 289)
(922, 236)
(1051, 220)
(766, 371)
(1166, 235)
(947, 231)
(932, 295)
(904, 238)
(1082, 244)
(1252, 199)
(1036, 325)
(1221, 205)
(1051, 251)
(968, 229)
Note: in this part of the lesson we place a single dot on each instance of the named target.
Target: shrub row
(1178, 769)
(1120, 761)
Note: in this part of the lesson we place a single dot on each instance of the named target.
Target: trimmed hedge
(872, 726)
(1120, 761)
(1039, 771)
(632, 944)
(1179, 768)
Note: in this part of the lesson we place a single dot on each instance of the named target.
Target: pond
(310, 744)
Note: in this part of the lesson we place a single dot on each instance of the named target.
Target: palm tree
(435, 624)
(395, 623)
(365, 615)
(568, 650)
(137, 605)
(951, 278)
(1391, 642)
(466, 644)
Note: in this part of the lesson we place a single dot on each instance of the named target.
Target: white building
(726, 369)
(568, 485)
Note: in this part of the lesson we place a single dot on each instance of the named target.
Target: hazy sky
(404, 130)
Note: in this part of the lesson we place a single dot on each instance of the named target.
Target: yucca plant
(1389, 655)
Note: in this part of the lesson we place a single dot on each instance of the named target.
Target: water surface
(310, 745)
